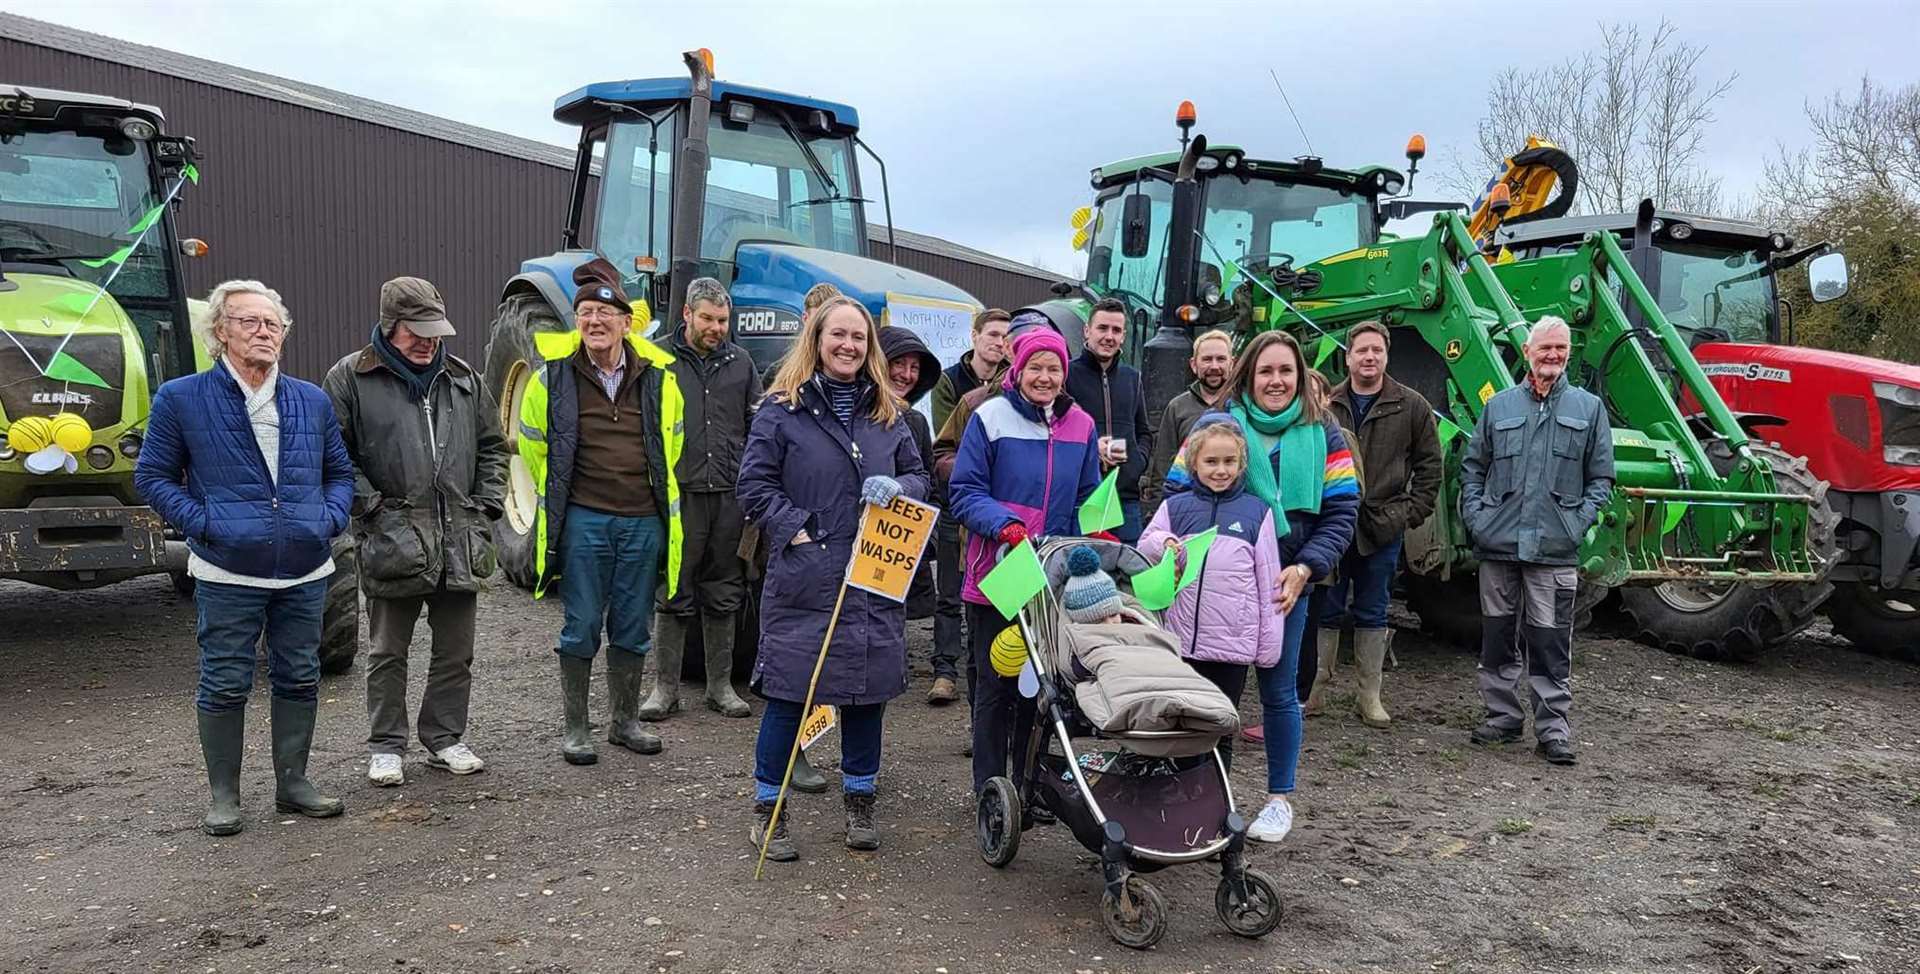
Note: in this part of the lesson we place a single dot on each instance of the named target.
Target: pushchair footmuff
(1133, 773)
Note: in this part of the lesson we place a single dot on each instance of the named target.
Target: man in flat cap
(601, 427)
(431, 474)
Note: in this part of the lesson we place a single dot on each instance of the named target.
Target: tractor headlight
(1679, 231)
(1211, 295)
(130, 446)
(1899, 423)
(99, 457)
(6, 453)
(137, 129)
(1392, 186)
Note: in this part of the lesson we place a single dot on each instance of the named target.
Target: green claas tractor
(93, 317)
(1208, 237)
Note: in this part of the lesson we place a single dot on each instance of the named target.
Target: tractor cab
(677, 178)
(1715, 279)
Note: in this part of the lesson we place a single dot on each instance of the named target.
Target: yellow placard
(1486, 393)
(817, 724)
(888, 550)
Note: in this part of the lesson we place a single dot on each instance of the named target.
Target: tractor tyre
(1878, 621)
(340, 620)
(512, 362)
(1734, 622)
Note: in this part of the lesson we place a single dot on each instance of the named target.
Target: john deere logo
(1454, 350)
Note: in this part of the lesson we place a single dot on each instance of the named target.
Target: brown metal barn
(323, 195)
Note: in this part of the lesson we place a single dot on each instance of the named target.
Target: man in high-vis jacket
(600, 432)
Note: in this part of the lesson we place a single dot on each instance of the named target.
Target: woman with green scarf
(1300, 465)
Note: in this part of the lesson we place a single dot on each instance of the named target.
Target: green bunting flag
(1196, 549)
(1675, 511)
(117, 257)
(1325, 350)
(1448, 431)
(192, 172)
(1102, 509)
(66, 368)
(1015, 580)
(74, 303)
(1155, 586)
(152, 217)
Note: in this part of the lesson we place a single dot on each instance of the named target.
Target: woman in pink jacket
(1227, 619)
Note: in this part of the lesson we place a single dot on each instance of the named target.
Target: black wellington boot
(222, 741)
(292, 740)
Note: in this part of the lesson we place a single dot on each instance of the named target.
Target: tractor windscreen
(765, 183)
(67, 198)
(1718, 287)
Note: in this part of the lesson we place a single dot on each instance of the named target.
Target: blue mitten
(880, 490)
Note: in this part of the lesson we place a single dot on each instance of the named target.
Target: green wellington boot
(222, 741)
(576, 675)
(625, 672)
(669, 650)
(292, 740)
(717, 633)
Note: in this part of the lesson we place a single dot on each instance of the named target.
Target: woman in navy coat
(830, 437)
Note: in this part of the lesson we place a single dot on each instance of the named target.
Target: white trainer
(1275, 821)
(457, 758)
(385, 770)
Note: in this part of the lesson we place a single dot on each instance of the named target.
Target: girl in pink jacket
(1227, 618)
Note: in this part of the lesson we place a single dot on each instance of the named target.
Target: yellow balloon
(30, 434)
(1009, 652)
(71, 433)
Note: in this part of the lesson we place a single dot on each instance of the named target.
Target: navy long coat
(803, 468)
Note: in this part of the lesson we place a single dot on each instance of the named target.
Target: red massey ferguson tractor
(1855, 420)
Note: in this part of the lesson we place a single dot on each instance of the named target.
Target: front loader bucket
(1698, 535)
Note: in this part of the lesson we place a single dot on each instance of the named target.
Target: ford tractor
(1209, 237)
(679, 178)
(93, 317)
(1848, 426)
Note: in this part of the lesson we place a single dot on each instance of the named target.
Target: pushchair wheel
(999, 822)
(1255, 915)
(1138, 917)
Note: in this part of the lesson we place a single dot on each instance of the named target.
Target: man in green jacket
(431, 471)
(600, 432)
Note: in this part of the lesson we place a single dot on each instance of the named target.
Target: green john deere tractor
(93, 317)
(1208, 237)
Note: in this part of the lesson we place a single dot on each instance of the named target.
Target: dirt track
(1723, 819)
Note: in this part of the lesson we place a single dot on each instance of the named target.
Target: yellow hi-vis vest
(556, 345)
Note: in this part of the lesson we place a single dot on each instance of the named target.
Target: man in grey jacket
(721, 388)
(1533, 481)
(1212, 361)
(431, 472)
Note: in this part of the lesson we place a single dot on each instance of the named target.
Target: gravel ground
(1726, 819)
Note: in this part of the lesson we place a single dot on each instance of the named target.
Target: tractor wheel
(512, 361)
(1876, 620)
(1730, 621)
(340, 621)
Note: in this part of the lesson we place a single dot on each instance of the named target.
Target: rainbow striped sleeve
(1341, 479)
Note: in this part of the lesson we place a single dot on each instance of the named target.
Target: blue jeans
(1280, 714)
(609, 566)
(1129, 529)
(859, 747)
(230, 621)
(1369, 579)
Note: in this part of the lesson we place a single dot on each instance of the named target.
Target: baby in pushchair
(1124, 751)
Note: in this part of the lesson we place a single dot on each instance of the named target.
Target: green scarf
(1280, 442)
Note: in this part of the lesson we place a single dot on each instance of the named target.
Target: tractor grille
(25, 392)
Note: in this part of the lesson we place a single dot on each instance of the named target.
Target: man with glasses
(248, 465)
(601, 425)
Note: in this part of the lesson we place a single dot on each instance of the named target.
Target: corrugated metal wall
(324, 208)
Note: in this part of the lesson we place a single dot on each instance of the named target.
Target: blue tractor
(678, 178)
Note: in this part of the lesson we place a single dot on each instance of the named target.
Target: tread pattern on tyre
(340, 621)
(511, 343)
(1858, 619)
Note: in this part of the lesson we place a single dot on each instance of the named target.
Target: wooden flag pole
(793, 755)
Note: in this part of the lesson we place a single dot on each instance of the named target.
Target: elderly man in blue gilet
(249, 466)
(1534, 479)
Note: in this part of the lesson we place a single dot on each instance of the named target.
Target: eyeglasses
(600, 314)
(249, 325)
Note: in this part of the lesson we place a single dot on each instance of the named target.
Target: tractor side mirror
(1135, 217)
(1827, 276)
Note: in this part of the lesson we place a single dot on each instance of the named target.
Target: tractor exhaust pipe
(690, 185)
(1164, 358)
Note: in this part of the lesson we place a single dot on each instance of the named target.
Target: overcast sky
(990, 114)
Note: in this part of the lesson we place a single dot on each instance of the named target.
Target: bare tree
(1633, 114)
(1870, 140)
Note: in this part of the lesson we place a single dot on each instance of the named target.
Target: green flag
(1016, 579)
(66, 368)
(117, 257)
(152, 217)
(1155, 586)
(1675, 511)
(1325, 350)
(74, 303)
(192, 172)
(1102, 509)
(1196, 548)
(1447, 430)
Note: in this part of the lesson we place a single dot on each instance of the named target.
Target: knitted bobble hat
(1089, 595)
